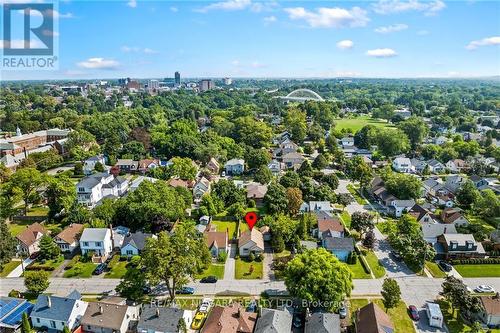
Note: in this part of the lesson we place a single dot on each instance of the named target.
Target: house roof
(256, 190)
(216, 238)
(252, 235)
(95, 234)
(160, 319)
(418, 211)
(107, 315)
(404, 203)
(54, 307)
(230, 319)
(30, 235)
(136, 239)
(431, 230)
(175, 182)
(127, 162)
(459, 238)
(372, 319)
(338, 244)
(327, 222)
(293, 155)
(146, 163)
(323, 323)
(235, 161)
(491, 304)
(273, 321)
(70, 233)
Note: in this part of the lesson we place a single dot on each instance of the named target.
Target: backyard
(212, 270)
(355, 124)
(248, 270)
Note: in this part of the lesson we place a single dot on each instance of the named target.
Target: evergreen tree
(48, 248)
(7, 244)
(25, 326)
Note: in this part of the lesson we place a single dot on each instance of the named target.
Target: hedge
(40, 268)
(362, 259)
(475, 261)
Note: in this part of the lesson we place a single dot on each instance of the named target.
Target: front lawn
(346, 218)
(377, 269)
(212, 270)
(479, 270)
(357, 271)
(399, 315)
(248, 270)
(80, 270)
(434, 269)
(117, 268)
(54, 263)
(9, 267)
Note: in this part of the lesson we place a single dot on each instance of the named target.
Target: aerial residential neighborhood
(268, 167)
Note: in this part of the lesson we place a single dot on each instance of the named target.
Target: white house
(398, 207)
(251, 241)
(234, 166)
(53, 313)
(347, 141)
(201, 187)
(92, 189)
(402, 164)
(316, 206)
(456, 165)
(97, 240)
(435, 166)
(89, 164)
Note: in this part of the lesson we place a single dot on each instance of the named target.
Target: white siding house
(98, 241)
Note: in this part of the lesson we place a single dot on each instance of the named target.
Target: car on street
(252, 306)
(185, 291)
(209, 279)
(396, 256)
(146, 290)
(484, 289)
(445, 266)
(99, 269)
(413, 311)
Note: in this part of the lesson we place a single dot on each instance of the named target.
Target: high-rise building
(153, 85)
(177, 79)
(206, 84)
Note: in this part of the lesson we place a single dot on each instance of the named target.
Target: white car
(484, 289)
(206, 305)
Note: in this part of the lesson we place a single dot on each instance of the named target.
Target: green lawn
(355, 124)
(117, 268)
(386, 226)
(346, 218)
(16, 227)
(452, 319)
(434, 269)
(356, 195)
(480, 270)
(80, 270)
(225, 225)
(9, 267)
(38, 211)
(399, 315)
(214, 270)
(285, 253)
(53, 263)
(377, 269)
(357, 271)
(242, 270)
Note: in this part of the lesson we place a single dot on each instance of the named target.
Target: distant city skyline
(296, 39)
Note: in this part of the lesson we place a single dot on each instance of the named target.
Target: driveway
(267, 269)
(18, 271)
(229, 267)
(382, 250)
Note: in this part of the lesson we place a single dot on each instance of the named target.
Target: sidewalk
(18, 271)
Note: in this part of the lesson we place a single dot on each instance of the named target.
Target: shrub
(251, 203)
(251, 256)
(259, 258)
(222, 257)
(14, 293)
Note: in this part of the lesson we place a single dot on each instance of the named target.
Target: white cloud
(235, 62)
(429, 8)
(334, 17)
(149, 51)
(257, 64)
(483, 42)
(135, 49)
(98, 63)
(174, 9)
(381, 53)
(391, 28)
(234, 5)
(270, 19)
(345, 44)
(19, 44)
(423, 32)
(132, 3)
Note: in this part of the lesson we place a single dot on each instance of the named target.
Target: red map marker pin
(250, 219)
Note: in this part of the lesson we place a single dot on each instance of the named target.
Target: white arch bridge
(302, 95)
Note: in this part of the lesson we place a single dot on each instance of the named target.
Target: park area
(355, 124)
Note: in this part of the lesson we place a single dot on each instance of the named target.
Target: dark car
(99, 269)
(396, 256)
(444, 266)
(413, 311)
(185, 290)
(297, 322)
(146, 290)
(209, 279)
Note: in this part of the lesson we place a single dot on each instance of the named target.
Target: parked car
(202, 313)
(413, 311)
(185, 290)
(396, 256)
(146, 290)
(209, 279)
(297, 322)
(99, 269)
(445, 266)
(343, 311)
(484, 289)
(252, 307)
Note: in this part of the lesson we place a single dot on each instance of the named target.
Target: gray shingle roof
(94, 234)
(323, 323)
(273, 321)
(137, 240)
(333, 243)
(60, 307)
(166, 321)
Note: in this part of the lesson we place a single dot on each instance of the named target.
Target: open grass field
(9, 267)
(80, 270)
(480, 270)
(243, 270)
(212, 270)
(355, 124)
(377, 269)
(434, 269)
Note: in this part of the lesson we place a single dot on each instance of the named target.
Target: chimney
(239, 312)
(49, 302)
(157, 313)
(444, 231)
(100, 308)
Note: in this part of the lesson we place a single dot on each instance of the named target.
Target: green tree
(317, 275)
(331, 180)
(263, 175)
(174, 259)
(489, 204)
(60, 194)
(184, 168)
(36, 281)
(392, 142)
(66, 329)
(27, 180)
(237, 210)
(7, 244)
(320, 162)
(362, 222)
(391, 293)
(295, 122)
(468, 195)
(132, 284)
(48, 248)
(294, 198)
(99, 167)
(416, 130)
(290, 179)
(275, 199)
(228, 193)
(366, 137)
(25, 325)
(305, 169)
(404, 186)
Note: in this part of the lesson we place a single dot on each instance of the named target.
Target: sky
(246, 38)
